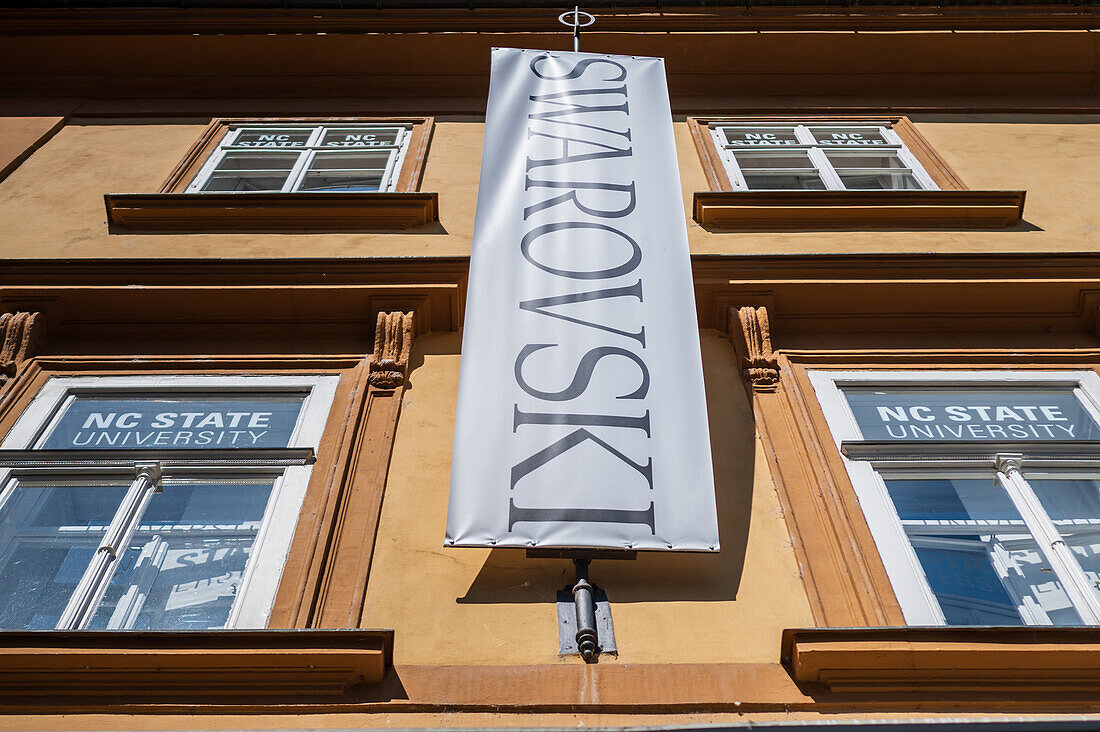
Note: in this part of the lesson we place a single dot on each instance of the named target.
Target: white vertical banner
(581, 413)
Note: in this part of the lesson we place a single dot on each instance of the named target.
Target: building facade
(235, 250)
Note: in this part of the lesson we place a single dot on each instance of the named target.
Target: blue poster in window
(969, 414)
(175, 422)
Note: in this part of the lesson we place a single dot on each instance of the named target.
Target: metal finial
(577, 20)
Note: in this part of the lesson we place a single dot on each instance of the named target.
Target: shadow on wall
(508, 576)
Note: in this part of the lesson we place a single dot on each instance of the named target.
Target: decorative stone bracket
(20, 334)
(751, 336)
(393, 337)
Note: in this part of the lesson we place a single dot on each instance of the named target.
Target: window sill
(1054, 662)
(268, 212)
(793, 210)
(104, 668)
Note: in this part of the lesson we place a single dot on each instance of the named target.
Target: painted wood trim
(192, 667)
(934, 164)
(268, 212)
(1054, 663)
(715, 172)
(844, 579)
(787, 210)
(296, 598)
(333, 548)
(416, 156)
(343, 592)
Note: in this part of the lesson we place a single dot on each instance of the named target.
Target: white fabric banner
(581, 413)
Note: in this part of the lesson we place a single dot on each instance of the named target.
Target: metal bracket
(584, 619)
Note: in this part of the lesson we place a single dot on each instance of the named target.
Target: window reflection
(980, 560)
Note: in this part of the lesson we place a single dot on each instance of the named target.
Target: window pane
(224, 183)
(187, 559)
(251, 172)
(1074, 506)
(981, 562)
(359, 137)
(846, 159)
(780, 181)
(48, 535)
(341, 181)
(257, 162)
(759, 136)
(970, 413)
(272, 137)
(361, 161)
(176, 421)
(346, 171)
(879, 181)
(849, 136)
(747, 159)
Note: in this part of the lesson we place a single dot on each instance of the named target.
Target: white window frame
(252, 607)
(816, 152)
(909, 458)
(306, 153)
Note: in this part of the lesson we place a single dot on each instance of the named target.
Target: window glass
(784, 181)
(773, 159)
(967, 413)
(978, 556)
(272, 137)
(184, 565)
(175, 422)
(1074, 507)
(48, 535)
(760, 136)
(358, 137)
(849, 136)
(884, 181)
(346, 171)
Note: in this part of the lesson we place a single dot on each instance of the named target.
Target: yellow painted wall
(473, 606)
(52, 205)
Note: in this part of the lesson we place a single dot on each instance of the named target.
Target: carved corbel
(20, 334)
(751, 334)
(393, 336)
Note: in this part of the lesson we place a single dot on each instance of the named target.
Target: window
(301, 175)
(253, 158)
(154, 502)
(830, 173)
(837, 157)
(981, 489)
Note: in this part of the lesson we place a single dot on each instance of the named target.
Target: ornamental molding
(393, 336)
(20, 336)
(751, 336)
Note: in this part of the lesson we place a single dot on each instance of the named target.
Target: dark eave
(118, 17)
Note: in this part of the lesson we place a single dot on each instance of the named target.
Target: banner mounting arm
(577, 19)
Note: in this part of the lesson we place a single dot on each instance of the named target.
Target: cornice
(472, 19)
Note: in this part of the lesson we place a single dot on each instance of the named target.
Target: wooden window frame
(172, 209)
(952, 206)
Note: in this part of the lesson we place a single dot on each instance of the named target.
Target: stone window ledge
(1009, 662)
(162, 213)
(106, 668)
(816, 210)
